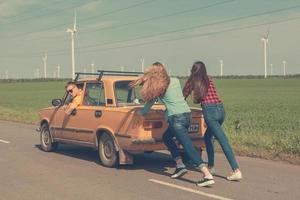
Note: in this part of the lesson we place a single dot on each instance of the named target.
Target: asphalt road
(74, 172)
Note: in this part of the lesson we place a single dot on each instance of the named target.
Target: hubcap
(108, 149)
(45, 138)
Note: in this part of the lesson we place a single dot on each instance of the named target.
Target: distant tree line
(251, 76)
(181, 77)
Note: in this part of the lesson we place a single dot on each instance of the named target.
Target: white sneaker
(235, 176)
(179, 172)
(205, 182)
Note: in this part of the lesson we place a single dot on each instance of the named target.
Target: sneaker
(205, 182)
(212, 170)
(179, 172)
(235, 176)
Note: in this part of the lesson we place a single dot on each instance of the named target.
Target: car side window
(126, 95)
(94, 95)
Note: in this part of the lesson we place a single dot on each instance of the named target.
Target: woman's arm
(147, 107)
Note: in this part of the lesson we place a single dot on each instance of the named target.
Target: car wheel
(107, 151)
(46, 140)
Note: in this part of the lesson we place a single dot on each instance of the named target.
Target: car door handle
(74, 112)
(98, 113)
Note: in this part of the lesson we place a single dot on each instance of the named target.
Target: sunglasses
(70, 90)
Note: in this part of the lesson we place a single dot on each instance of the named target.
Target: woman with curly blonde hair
(158, 85)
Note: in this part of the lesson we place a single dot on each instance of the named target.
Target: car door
(63, 125)
(88, 115)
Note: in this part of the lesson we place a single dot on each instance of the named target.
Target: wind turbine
(271, 67)
(73, 31)
(284, 67)
(45, 65)
(221, 66)
(6, 74)
(93, 67)
(265, 40)
(142, 62)
(37, 73)
(58, 71)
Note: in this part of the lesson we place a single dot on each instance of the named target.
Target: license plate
(194, 128)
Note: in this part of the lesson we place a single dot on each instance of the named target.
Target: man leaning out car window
(76, 93)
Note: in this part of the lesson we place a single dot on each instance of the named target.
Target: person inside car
(76, 96)
(88, 100)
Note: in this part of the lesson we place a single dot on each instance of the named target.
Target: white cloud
(9, 8)
(90, 6)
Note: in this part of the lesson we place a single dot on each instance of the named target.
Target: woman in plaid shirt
(204, 92)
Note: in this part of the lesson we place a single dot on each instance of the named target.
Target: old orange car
(107, 119)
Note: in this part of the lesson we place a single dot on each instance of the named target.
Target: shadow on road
(156, 162)
(78, 152)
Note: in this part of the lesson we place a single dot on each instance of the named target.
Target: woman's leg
(169, 142)
(209, 148)
(180, 128)
(214, 116)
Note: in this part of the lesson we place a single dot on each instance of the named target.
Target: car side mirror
(57, 102)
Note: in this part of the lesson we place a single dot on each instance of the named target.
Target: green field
(263, 116)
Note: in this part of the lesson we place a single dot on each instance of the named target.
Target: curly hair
(155, 82)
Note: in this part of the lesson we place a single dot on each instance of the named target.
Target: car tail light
(152, 125)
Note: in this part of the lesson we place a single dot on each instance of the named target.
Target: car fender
(42, 122)
(109, 131)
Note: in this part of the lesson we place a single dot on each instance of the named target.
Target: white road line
(190, 190)
(4, 141)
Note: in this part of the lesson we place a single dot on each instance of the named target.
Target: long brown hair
(155, 82)
(197, 83)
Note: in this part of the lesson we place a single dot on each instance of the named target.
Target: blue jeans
(178, 128)
(214, 115)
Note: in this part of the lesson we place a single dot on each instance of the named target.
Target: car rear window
(126, 95)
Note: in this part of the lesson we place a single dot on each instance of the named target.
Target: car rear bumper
(152, 144)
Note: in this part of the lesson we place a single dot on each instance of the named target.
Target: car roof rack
(101, 73)
(119, 73)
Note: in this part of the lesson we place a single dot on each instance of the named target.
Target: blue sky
(115, 34)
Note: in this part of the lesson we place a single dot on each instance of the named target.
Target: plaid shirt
(212, 96)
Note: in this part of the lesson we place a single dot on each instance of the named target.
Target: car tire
(46, 139)
(107, 151)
